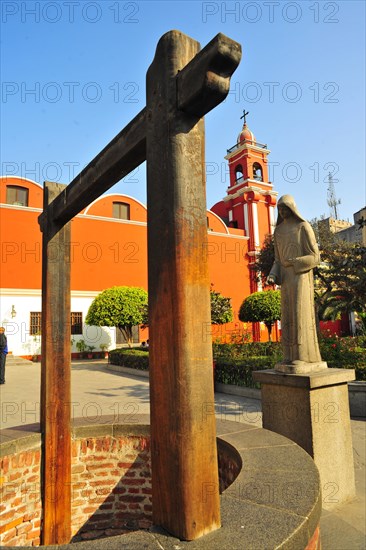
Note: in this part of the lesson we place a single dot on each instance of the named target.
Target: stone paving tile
(97, 391)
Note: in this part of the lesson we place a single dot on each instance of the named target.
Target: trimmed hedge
(238, 372)
(234, 363)
(129, 357)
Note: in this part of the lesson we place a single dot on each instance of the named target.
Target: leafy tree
(264, 260)
(263, 307)
(221, 310)
(119, 306)
(341, 279)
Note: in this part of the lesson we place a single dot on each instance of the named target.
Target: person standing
(3, 353)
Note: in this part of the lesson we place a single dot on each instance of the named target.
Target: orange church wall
(108, 252)
(103, 207)
(35, 193)
(21, 250)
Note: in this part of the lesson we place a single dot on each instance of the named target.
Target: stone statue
(296, 254)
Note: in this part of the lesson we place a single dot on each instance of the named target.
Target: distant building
(344, 230)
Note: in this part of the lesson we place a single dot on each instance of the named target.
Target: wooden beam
(56, 378)
(184, 460)
(122, 155)
(205, 81)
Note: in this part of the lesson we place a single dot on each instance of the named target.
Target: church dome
(246, 135)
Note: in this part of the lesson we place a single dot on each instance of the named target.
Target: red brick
(35, 533)
(14, 461)
(148, 508)
(144, 523)
(98, 444)
(6, 527)
(36, 523)
(8, 496)
(75, 449)
(90, 444)
(24, 528)
(17, 501)
(30, 515)
(119, 490)
(110, 498)
(102, 482)
(78, 502)
(130, 473)
(124, 464)
(29, 458)
(134, 506)
(89, 509)
(106, 443)
(133, 498)
(116, 531)
(14, 476)
(90, 535)
(146, 490)
(92, 525)
(5, 464)
(32, 479)
(133, 490)
(104, 466)
(6, 516)
(120, 506)
(9, 534)
(105, 491)
(134, 481)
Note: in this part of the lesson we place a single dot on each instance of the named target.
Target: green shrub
(238, 372)
(345, 353)
(250, 349)
(132, 358)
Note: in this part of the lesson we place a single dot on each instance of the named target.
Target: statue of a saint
(296, 254)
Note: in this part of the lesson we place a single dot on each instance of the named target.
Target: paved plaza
(97, 391)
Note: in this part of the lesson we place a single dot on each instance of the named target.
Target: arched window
(257, 172)
(17, 195)
(121, 210)
(239, 176)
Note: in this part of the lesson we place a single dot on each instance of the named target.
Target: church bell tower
(250, 200)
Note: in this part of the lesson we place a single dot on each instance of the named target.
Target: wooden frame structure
(183, 84)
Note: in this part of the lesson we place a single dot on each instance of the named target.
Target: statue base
(300, 367)
(313, 410)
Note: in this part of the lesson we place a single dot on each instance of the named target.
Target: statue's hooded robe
(295, 241)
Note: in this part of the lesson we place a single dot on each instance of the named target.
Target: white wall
(20, 342)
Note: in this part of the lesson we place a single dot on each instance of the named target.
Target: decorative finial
(245, 113)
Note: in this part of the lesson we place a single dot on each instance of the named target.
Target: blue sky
(73, 75)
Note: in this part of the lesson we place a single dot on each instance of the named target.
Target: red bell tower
(250, 199)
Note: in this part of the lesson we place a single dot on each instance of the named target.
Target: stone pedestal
(313, 410)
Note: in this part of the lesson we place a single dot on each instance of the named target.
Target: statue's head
(286, 208)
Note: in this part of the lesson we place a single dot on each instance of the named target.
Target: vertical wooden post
(56, 377)
(184, 456)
